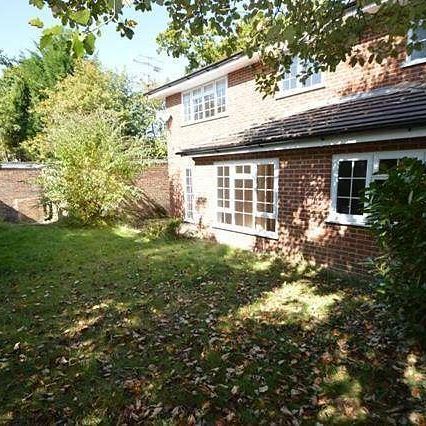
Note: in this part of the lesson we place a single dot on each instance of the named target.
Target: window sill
(205, 120)
(296, 92)
(409, 63)
(246, 231)
(344, 222)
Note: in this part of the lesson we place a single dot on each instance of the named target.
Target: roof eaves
(195, 73)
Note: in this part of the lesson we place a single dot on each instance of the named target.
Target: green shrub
(153, 229)
(396, 211)
(92, 168)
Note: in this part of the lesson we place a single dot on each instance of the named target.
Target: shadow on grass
(113, 325)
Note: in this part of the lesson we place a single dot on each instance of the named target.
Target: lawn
(121, 326)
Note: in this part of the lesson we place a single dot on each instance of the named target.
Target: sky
(115, 52)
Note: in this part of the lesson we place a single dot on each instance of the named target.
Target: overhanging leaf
(80, 16)
(36, 22)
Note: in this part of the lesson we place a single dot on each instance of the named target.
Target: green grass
(114, 325)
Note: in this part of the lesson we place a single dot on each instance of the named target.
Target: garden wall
(20, 194)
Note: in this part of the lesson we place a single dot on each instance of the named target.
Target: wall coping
(18, 165)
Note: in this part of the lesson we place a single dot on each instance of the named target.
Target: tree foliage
(90, 89)
(397, 215)
(201, 50)
(22, 86)
(91, 168)
(321, 32)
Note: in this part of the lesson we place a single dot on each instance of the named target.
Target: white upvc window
(292, 84)
(352, 174)
(418, 55)
(188, 196)
(205, 102)
(247, 196)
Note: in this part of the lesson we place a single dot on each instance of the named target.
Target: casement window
(417, 56)
(292, 83)
(247, 196)
(351, 175)
(204, 102)
(189, 196)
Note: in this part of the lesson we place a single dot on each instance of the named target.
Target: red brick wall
(154, 184)
(303, 206)
(19, 194)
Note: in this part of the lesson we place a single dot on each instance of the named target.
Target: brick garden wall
(19, 193)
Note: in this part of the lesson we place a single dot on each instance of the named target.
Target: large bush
(91, 167)
(90, 88)
(397, 216)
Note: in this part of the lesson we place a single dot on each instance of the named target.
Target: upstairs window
(418, 36)
(292, 83)
(204, 102)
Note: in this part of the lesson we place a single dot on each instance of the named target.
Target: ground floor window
(247, 196)
(351, 175)
(189, 196)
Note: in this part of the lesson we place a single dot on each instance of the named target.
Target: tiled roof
(384, 108)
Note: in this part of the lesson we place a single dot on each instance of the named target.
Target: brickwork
(304, 183)
(155, 198)
(19, 194)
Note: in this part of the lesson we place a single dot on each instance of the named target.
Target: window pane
(357, 207)
(345, 168)
(344, 188)
(342, 205)
(248, 221)
(247, 169)
(228, 218)
(269, 196)
(239, 169)
(360, 168)
(358, 186)
(239, 219)
(239, 206)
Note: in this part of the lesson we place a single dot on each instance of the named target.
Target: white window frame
(253, 175)
(185, 211)
(410, 62)
(373, 159)
(191, 92)
(300, 88)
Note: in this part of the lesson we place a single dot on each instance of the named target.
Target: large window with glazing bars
(247, 198)
(205, 102)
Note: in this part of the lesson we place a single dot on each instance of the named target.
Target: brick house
(285, 173)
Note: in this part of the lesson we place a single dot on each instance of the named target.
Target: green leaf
(45, 40)
(80, 16)
(77, 46)
(39, 4)
(89, 43)
(36, 22)
(56, 30)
